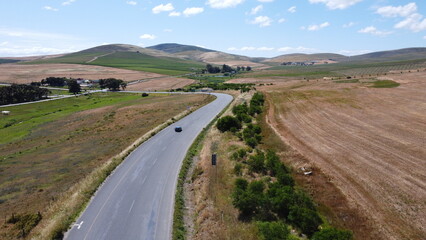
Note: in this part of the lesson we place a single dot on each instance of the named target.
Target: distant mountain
(178, 48)
(125, 48)
(301, 57)
(206, 55)
(393, 55)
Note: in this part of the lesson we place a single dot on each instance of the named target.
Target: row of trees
(19, 93)
(112, 84)
(225, 69)
(273, 201)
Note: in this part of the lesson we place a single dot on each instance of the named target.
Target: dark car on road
(178, 129)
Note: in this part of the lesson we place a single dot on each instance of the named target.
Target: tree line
(19, 93)
(271, 198)
(225, 69)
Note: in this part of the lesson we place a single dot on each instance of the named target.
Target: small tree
(332, 234)
(74, 87)
(227, 123)
(273, 230)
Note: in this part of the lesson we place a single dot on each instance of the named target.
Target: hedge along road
(137, 200)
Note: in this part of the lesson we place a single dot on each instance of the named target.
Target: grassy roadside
(72, 203)
(61, 161)
(214, 200)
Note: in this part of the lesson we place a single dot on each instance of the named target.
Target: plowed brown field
(24, 74)
(370, 142)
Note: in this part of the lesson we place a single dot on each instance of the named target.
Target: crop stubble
(369, 142)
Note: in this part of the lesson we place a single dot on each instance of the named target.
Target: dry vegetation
(38, 169)
(365, 143)
(25, 73)
(208, 196)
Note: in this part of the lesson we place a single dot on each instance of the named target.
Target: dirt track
(369, 141)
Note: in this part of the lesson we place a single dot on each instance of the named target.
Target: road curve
(137, 200)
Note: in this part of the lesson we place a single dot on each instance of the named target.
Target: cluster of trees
(243, 87)
(19, 93)
(244, 113)
(112, 84)
(274, 201)
(53, 81)
(225, 69)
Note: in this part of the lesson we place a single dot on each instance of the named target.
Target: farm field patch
(367, 141)
(62, 141)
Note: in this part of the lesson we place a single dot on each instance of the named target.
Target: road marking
(78, 225)
(131, 206)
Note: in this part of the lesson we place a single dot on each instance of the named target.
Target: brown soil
(160, 83)
(22, 73)
(367, 142)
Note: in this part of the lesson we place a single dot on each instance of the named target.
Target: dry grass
(365, 142)
(209, 193)
(20, 73)
(53, 169)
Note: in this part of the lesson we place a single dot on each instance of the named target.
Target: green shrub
(306, 220)
(273, 230)
(256, 162)
(251, 142)
(238, 169)
(25, 222)
(281, 199)
(227, 123)
(332, 234)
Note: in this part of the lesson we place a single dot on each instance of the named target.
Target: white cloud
(69, 2)
(256, 9)
(374, 31)
(20, 51)
(32, 35)
(336, 4)
(174, 14)
(414, 22)
(297, 49)
(265, 49)
(402, 11)
(192, 11)
(412, 19)
(292, 9)
(163, 8)
(4, 43)
(281, 20)
(353, 52)
(262, 21)
(49, 8)
(132, 3)
(224, 3)
(424, 37)
(316, 27)
(246, 49)
(148, 36)
(348, 25)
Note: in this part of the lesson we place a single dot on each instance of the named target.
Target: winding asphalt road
(137, 200)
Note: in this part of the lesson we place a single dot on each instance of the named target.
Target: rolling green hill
(128, 57)
(390, 56)
(200, 54)
(143, 62)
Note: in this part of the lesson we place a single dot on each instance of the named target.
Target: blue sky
(258, 28)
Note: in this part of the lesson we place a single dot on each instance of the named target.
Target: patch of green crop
(143, 62)
(24, 118)
(385, 84)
